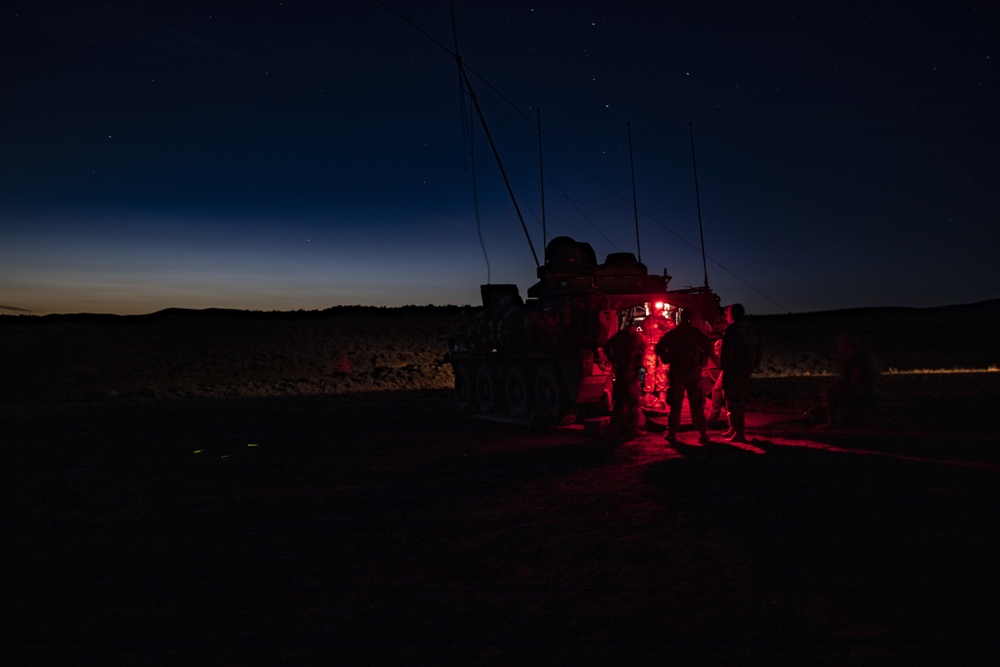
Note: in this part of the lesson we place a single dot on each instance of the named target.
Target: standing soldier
(851, 398)
(685, 350)
(626, 350)
(718, 401)
(739, 358)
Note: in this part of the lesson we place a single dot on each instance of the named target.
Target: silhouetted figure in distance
(850, 400)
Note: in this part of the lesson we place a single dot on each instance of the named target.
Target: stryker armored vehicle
(541, 360)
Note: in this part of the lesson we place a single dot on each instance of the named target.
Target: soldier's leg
(696, 399)
(632, 413)
(735, 397)
(737, 407)
(675, 401)
(715, 409)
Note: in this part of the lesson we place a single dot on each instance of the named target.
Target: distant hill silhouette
(866, 313)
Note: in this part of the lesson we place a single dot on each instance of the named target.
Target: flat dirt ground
(379, 527)
(382, 528)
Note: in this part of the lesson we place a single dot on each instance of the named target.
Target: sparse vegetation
(180, 353)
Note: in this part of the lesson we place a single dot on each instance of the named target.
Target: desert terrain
(222, 487)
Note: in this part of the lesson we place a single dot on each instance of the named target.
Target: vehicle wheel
(490, 400)
(551, 398)
(465, 394)
(518, 389)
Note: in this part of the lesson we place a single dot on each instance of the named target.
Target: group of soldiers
(686, 350)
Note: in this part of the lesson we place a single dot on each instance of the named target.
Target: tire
(487, 392)
(552, 399)
(465, 390)
(519, 391)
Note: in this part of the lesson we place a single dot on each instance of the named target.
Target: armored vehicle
(541, 360)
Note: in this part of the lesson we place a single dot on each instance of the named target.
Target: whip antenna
(635, 205)
(464, 78)
(697, 198)
(496, 155)
(541, 174)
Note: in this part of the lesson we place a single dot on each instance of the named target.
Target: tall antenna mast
(464, 79)
(541, 175)
(635, 205)
(496, 154)
(697, 197)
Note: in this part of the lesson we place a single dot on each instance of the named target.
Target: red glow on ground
(652, 447)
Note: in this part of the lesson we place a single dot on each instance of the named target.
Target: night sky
(287, 155)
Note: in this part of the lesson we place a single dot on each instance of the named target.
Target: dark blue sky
(285, 155)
